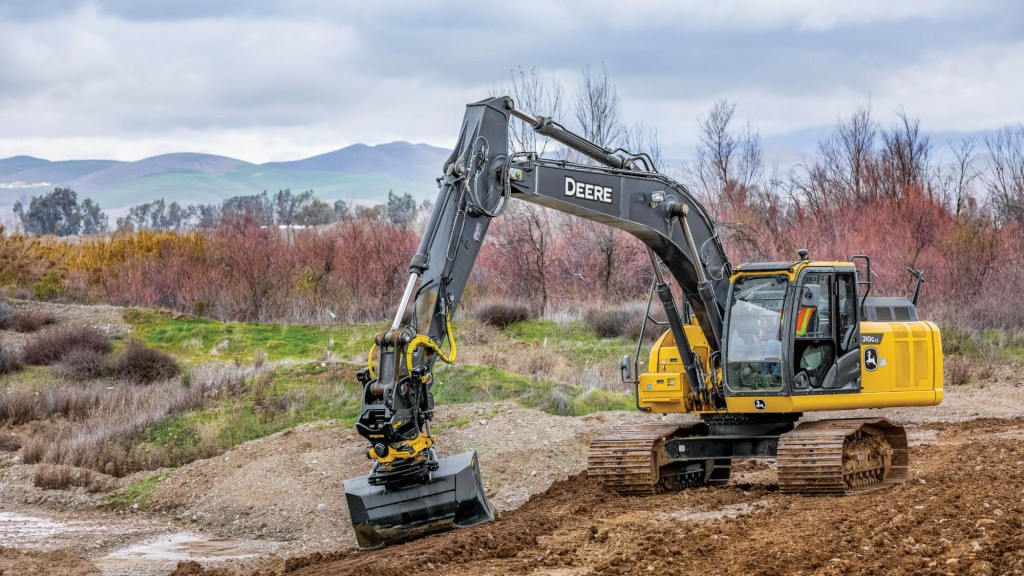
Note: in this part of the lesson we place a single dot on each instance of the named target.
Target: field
(247, 478)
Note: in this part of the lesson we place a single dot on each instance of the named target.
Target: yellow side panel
(901, 357)
(664, 392)
(665, 389)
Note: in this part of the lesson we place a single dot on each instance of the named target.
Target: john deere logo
(587, 191)
(760, 404)
(870, 359)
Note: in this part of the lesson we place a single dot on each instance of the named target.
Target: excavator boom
(410, 490)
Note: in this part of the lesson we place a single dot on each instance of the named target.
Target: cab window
(754, 340)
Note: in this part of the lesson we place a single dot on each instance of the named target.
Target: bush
(6, 314)
(607, 322)
(10, 362)
(59, 477)
(49, 287)
(31, 321)
(33, 448)
(82, 364)
(54, 343)
(9, 442)
(17, 407)
(625, 321)
(142, 365)
(503, 314)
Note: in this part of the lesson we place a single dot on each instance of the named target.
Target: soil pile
(290, 486)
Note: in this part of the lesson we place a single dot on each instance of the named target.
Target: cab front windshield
(754, 344)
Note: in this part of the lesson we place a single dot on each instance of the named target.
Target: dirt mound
(961, 511)
(63, 562)
(290, 486)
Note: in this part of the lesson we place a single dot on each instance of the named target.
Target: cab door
(826, 353)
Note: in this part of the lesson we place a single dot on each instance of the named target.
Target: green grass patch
(469, 383)
(289, 396)
(138, 492)
(195, 338)
(572, 340)
(440, 428)
(998, 344)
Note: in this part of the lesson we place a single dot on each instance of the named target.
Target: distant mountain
(66, 171)
(398, 159)
(180, 163)
(17, 164)
(357, 172)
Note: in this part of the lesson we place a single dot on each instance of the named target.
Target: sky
(263, 80)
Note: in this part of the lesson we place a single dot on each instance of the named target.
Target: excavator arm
(410, 491)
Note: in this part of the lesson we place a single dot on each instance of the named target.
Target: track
(837, 457)
(631, 460)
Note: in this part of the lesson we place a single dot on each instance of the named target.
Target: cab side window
(846, 287)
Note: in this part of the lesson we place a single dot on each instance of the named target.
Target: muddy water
(129, 546)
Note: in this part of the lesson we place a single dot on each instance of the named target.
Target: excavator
(748, 350)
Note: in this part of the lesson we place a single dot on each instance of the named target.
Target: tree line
(61, 213)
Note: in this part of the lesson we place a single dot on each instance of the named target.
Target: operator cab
(792, 329)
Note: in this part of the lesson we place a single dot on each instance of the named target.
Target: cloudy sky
(262, 80)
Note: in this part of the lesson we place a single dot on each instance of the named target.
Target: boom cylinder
(545, 126)
(704, 288)
(675, 324)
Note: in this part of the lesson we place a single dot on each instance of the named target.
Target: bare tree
(643, 139)
(1005, 179)
(537, 96)
(726, 159)
(955, 183)
(904, 158)
(599, 110)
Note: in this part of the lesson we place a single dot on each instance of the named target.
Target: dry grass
(50, 477)
(18, 407)
(957, 370)
(140, 364)
(10, 361)
(52, 344)
(9, 442)
(100, 427)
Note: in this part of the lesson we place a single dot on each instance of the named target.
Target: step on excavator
(749, 350)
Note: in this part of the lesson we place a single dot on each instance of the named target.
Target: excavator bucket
(453, 497)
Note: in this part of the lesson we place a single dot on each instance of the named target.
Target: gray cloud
(268, 79)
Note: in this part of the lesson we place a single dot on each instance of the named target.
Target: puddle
(20, 530)
(186, 546)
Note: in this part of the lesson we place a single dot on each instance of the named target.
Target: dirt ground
(960, 512)
(275, 506)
